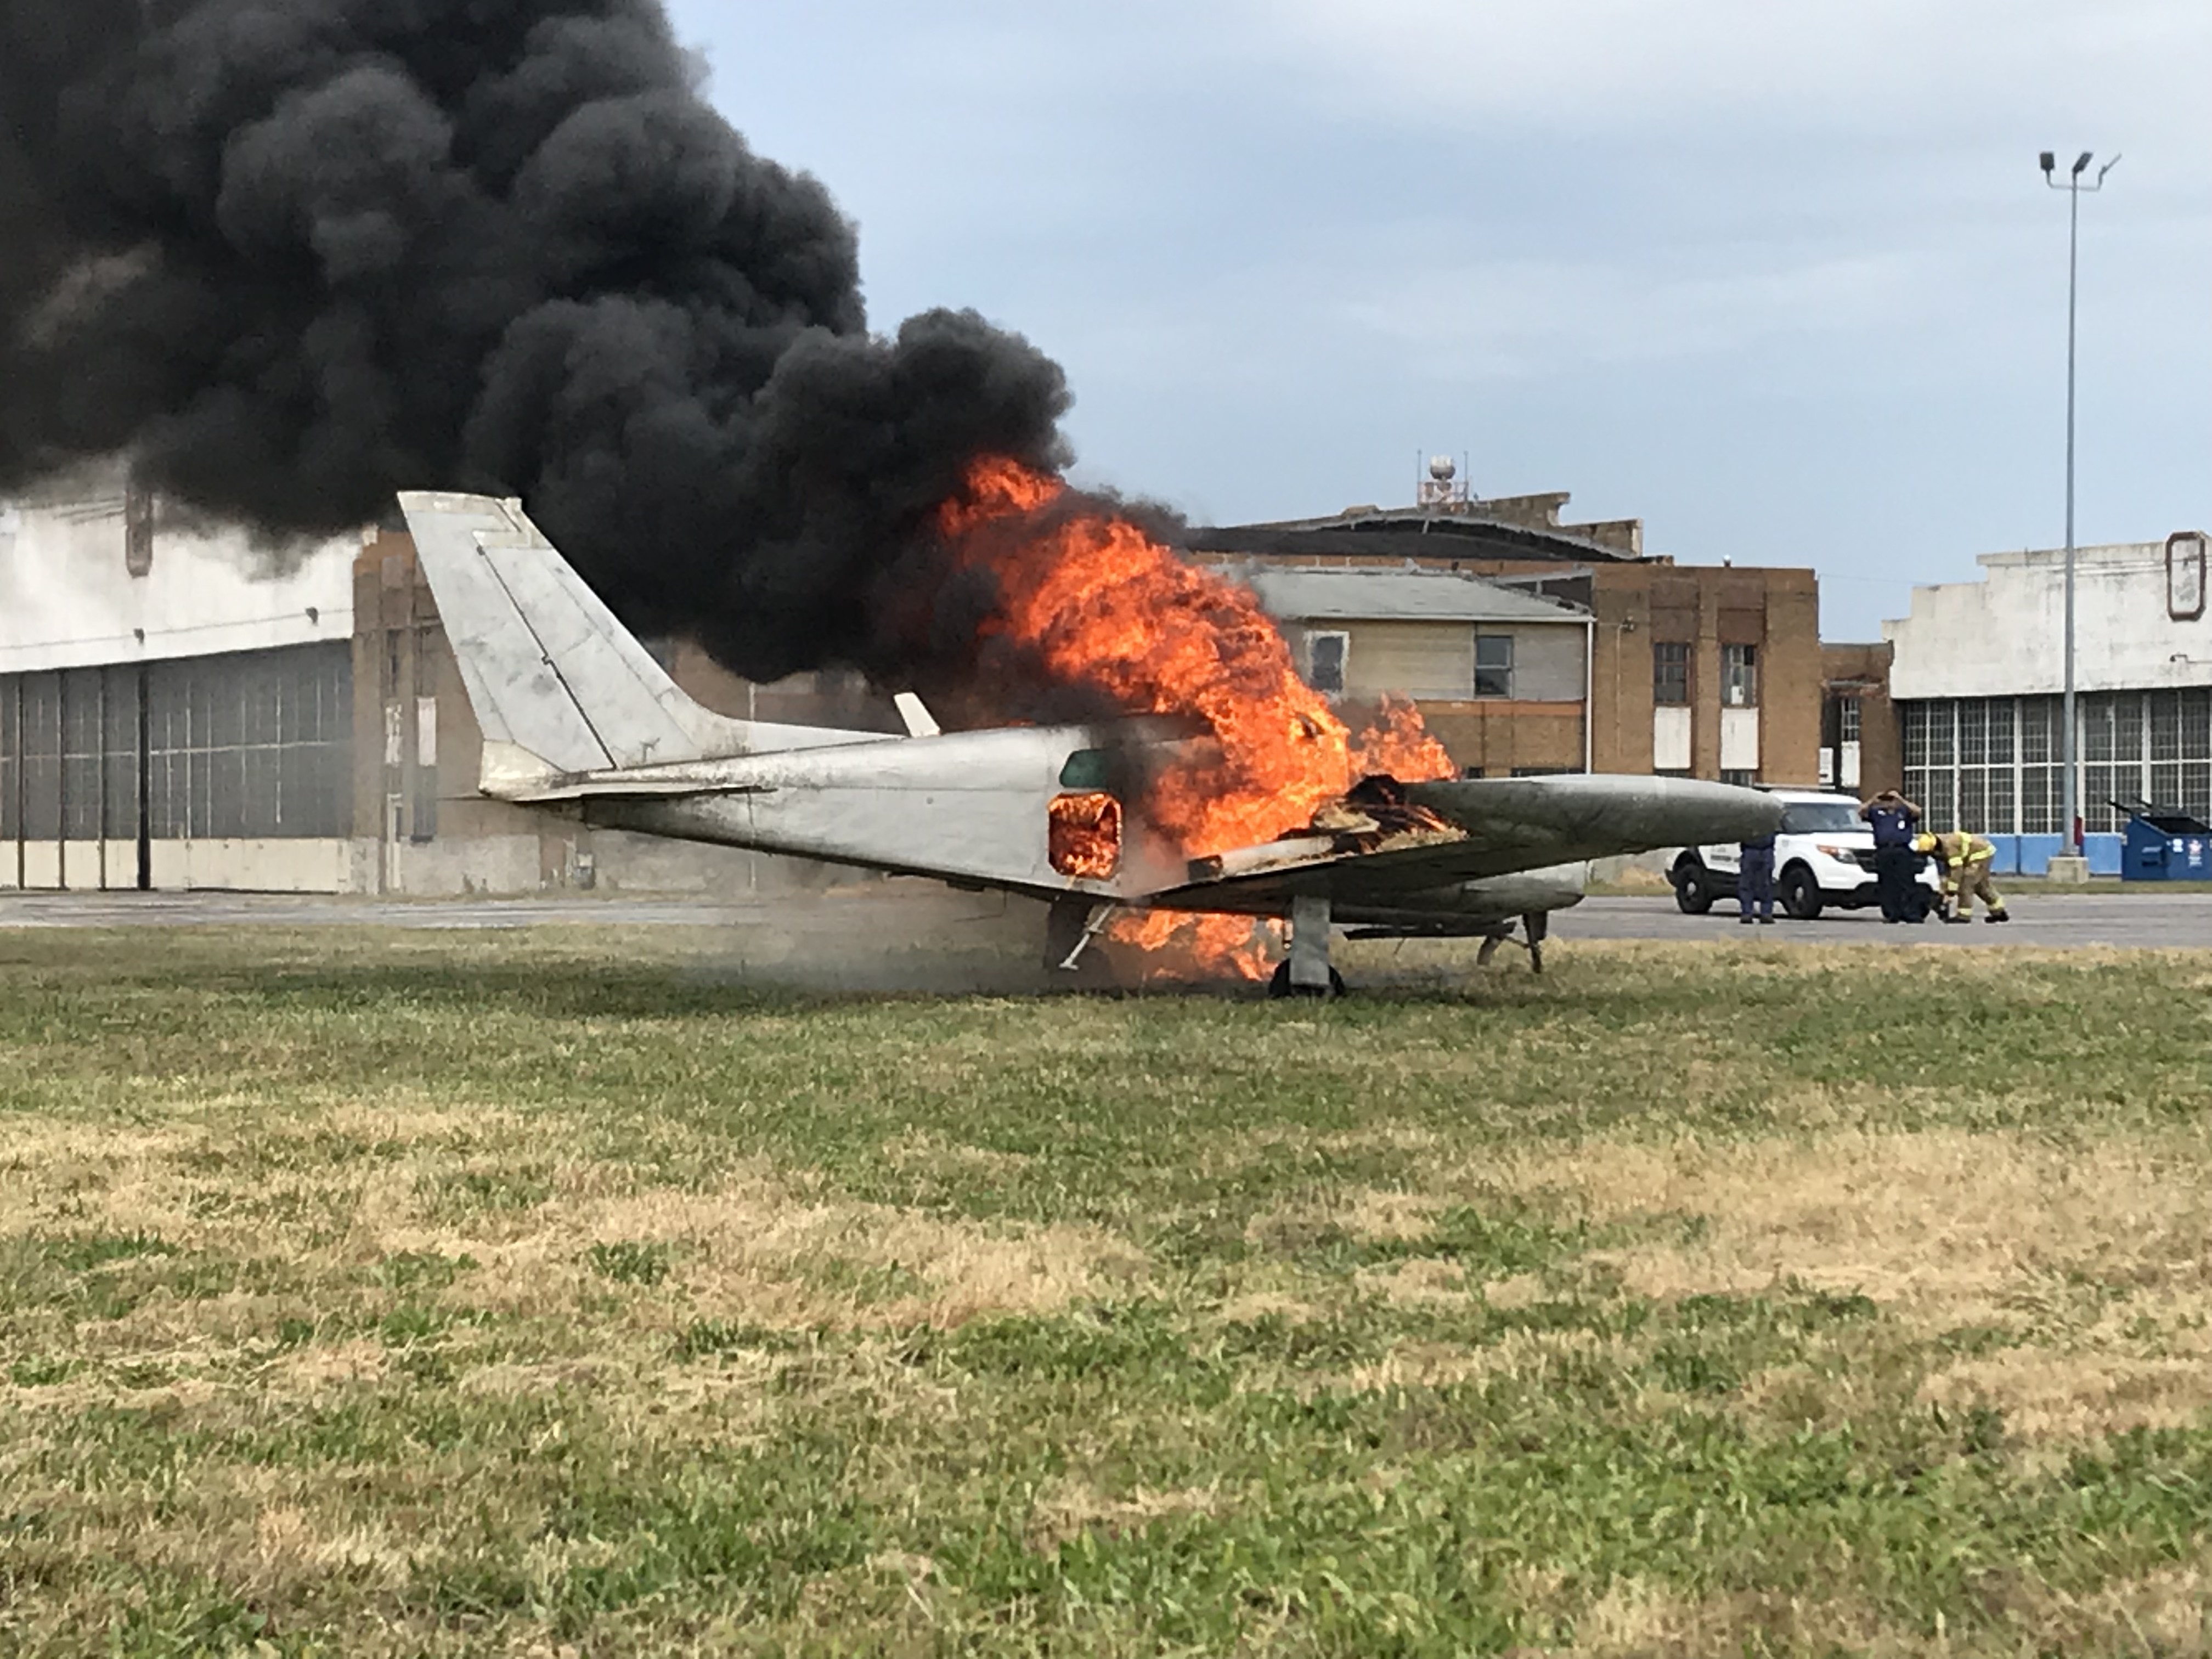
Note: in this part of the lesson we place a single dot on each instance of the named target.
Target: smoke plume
(293, 256)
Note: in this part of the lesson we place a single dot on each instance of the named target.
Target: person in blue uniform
(1895, 822)
(1754, 881)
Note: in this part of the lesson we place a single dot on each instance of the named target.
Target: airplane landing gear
(1535, 927)
(1307, 972)
(1280, 986)
(1069, 928)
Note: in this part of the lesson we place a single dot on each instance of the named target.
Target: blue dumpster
(2164, 843)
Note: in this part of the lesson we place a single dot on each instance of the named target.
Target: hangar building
(1978, 671)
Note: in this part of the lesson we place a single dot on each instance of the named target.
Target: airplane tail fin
(559, 688)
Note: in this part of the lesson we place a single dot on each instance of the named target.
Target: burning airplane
(1225, 792)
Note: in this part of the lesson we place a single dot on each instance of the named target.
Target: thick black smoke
(292, 256)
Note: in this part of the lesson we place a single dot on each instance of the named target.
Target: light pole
(2070, 797)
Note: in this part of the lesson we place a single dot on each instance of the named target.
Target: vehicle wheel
(1279, 986)
(1800, 894)
(1693, 892)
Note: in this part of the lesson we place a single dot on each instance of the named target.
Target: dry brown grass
(492, 1350)
(1944, 1229)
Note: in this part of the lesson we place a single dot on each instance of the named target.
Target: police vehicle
(1823, 859)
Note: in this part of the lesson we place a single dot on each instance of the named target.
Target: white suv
(1823, 856)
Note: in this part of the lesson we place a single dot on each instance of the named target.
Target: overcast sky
(1781, 280)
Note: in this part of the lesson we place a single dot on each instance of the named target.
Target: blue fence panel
(2006, 862)
(2106, 854)
(2036, 853)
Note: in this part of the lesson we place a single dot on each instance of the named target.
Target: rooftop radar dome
(1443, 469)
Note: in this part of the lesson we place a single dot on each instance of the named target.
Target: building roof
(1406, 534)
(1386, 595)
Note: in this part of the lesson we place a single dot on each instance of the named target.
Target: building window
(1326, 655)
(1740, 676)
(1847, 720)
(256, 745)
(1494, 664)
(1995, 764)
(1670, 673)
(1743, 779)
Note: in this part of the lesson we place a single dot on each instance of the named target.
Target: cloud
(1518, 318)
(1647, 64)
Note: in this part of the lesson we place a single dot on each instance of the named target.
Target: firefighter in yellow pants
(1966, 859)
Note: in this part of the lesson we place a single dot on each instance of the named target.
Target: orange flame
(1103, 606)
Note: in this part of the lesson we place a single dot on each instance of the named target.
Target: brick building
(1862, 747)
(1702, 671)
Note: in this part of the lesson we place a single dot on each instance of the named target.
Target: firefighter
(1966, 859)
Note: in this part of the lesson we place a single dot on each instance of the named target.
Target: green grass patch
(396, 1294)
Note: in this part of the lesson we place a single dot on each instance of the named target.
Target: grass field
(392, 1294)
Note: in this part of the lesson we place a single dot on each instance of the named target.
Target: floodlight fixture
(2081, 166)
(2050, 160)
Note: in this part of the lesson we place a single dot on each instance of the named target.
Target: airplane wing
(1478, 827)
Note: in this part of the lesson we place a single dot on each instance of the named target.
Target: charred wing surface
(1505, 826)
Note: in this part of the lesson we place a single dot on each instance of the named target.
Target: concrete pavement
(2050, 921)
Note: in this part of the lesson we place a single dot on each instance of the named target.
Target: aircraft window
(1090, 769)
(1085, 836)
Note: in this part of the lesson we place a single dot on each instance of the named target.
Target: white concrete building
(175, 703)
(1979, 667)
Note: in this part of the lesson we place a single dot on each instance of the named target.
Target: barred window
(1940, 801)
(1999, 812)
(1973, 738)
(2165, 725)
(1973, 798)
(2038, 730)
(1670, 673)
(119, 750)
(1943, 733)
(1917, 718)
(2196, 719)
(254, 746)
(1740, 676)
(1998, 730)
(11, 796)
(1847, 720)
(42, 756)
(2100, 782)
